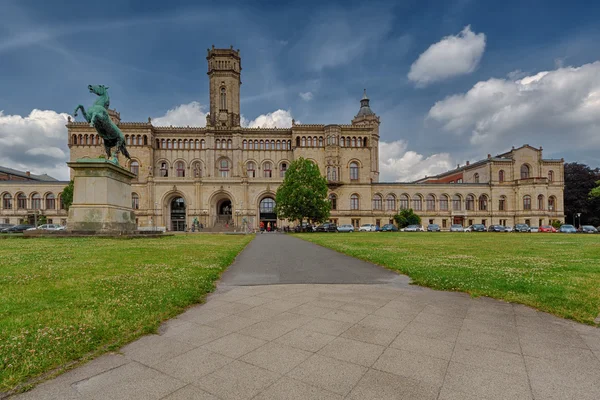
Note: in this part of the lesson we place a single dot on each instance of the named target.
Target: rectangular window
(431, 221)
(356, 223)
(444, 223)
(501, 204)
(459, 180)
(483, 222)
(470, 222)
(378, 222)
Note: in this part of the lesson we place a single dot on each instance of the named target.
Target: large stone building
(227, 175)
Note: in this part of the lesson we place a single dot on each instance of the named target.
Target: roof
(42, 178)
(364, 106)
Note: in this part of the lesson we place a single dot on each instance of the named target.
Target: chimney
(28, 173)
(489, 156)
(457, 166)
(467, 162)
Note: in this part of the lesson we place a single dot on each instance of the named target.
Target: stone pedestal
(101, 197)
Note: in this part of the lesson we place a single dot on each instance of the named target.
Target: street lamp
(579, 218)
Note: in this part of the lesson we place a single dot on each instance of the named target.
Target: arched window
(353, 142)
(541, 202)
(483, 201)
(135, 201)
(353, 171)
(321, 141)
(164, 170)
(289, 144)
(21, 201)
(245, 144)
(430, 200)
(476, 177)
(443, 203)
(251, 145)
(527, 202)
(333, 201)
(180, 167)
(343, 142)
(251, 169)
(134, 167)
(145, 140)
(354, 202)
(217, 144)
(197, 169)
(175, 145)
(74, 139)
(297, 141)
(267, 145)
(169, 144)
(223, 99)
(501, 175)
(390, 202)
(377, 202)
(282, 169)
(502, 203)
(309, 142)
(328, 140)
(262, 145)
(267, 205)
(267, 172)
(229, 144)
(7, 201)
(278, 145)
(365, 142)
(404, 202)
(470, 203)
(524, 171)
(550, 176)
(303, 141)
(203, 144)
(133, 140)
(551, 203)
(272, 145)
(196, 144)
(224, 168)
(36, 201)
(163, 144)
(81, 139)
(417, 203)
(186, 144)
(456, 203)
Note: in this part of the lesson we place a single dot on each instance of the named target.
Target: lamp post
(579, 219)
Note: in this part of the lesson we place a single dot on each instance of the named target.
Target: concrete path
(309, 340)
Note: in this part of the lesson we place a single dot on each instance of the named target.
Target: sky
(451, 80)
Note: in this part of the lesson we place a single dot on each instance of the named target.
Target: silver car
(345, 228)
(456, 228)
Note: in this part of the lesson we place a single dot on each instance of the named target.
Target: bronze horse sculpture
(97, 116)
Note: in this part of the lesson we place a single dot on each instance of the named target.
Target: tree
(67, 195)
(303, 193)
(595, 192)
(407, 217)
(580, 180)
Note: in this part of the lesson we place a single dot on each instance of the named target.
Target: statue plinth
(101, 197)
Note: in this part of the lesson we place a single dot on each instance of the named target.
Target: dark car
(476, 228)
(522, 228)
(327, 227)
(433, 228)
(17, 228)
(4, 226)
(389, 228)
(588, 229)
(496, 228)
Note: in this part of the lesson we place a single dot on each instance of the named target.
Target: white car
(508, 229)
(48, 227)
(414, 228)
(367, 228)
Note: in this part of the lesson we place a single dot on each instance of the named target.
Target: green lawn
(556, 273)
(71, 299)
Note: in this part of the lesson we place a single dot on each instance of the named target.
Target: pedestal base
(101, 198)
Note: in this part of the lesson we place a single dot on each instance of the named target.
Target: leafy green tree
(303, 193)
(407, 217)
(595, 192)
(580, 181)
(67, 195)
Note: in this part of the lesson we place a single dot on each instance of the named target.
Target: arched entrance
(178, 214)
(267, 215)
(224, 211)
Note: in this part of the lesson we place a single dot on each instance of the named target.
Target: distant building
(224, 174)
(9, 174)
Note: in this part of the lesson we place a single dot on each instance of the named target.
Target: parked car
(547, 229)
(48, 227)
(508, 229)
(367, 228)
(588, 229)
(345, 228)
(389, 228)
(475, 228)
(567, 229)
(414, 228)
(327, 227)
(17, 228)
(456, 228)
(433, 228)
(496, 228)
(534, 229)
(4, 226)
(522, 228)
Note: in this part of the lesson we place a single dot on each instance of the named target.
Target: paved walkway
(318, 332)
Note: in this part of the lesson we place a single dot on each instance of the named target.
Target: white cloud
(276, 119)
(44, 129)
(450, 57)
(191, 114)
(306, 96)
(558, 109)
(397, 164)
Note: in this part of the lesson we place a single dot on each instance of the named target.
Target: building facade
(225, 176)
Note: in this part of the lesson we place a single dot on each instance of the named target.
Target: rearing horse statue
(97, 116)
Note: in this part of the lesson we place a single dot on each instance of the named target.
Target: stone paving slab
(345, 341)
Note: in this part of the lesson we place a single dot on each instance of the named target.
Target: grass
(64, 300)
(556, 273)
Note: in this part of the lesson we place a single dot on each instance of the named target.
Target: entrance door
(268, 218)
(178, 214)
(458, 220)
(224, 211)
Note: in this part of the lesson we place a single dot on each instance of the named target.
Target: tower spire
(365, 109)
